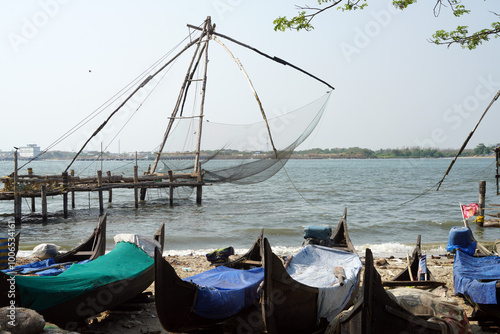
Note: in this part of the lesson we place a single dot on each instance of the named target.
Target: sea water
(389, 203)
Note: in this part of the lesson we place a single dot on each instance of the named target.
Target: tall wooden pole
(72, 173)
(482, 200)
(136, 190)
(17, 198)
(110, 192)
(179, 99)
(136, 179)
(497, 153)
(65, 193)
(33, 207)
(171, 189)
(202, 105)
(99, 184)
(43, 196)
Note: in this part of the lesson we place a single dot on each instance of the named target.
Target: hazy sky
(60, 60)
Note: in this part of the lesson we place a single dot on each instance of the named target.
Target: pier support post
(101, 200)
(198, 194)
(136, 190)
(33, 206)
(110, 192)
(144, 190)
(65, 193)
(72, 173)
(17, 198)
(171, 188)
(43, 196)
(482, 200)
(199, 188)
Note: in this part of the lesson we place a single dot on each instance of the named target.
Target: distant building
(29, 151)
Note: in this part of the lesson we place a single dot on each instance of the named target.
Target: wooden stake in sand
(409, 267)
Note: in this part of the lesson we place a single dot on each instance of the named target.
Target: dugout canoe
(91, 249)
(85, 290)
(304, 294)
(477, 280)
(377, 312)
(339, 240)
(404, 279)
(208, 299)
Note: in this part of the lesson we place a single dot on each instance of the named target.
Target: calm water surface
(310, 192)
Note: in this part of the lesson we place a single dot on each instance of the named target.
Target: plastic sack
(439, 309)
(45, 251)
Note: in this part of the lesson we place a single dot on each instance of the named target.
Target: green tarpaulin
(125, 261)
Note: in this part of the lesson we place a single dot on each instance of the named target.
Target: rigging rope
(467, 140)
(254, 93)
(456, 183)
(103, 106)
(297, 190)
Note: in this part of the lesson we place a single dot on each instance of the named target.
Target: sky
(62, 59)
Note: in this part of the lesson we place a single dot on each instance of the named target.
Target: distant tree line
(314, 153)
(415, 152)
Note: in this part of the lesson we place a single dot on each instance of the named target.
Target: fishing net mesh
(241, 154)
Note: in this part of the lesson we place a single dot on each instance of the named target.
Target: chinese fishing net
(241, 154)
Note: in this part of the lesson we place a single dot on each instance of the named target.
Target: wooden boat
(181, 304)
(91, 249)
(84, 290)
(476, 274)
(295, 303)
(340, 238)
(477, 279)
(404, 278)
(377, 312)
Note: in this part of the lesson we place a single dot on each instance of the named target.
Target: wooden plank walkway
(40, 186)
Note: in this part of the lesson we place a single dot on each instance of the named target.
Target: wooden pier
(16, 187)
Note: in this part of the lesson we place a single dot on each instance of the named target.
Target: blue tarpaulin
(223, 291)
(468, 270)
(38, 265)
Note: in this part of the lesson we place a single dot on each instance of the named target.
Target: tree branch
(460, 36)
(441, 37)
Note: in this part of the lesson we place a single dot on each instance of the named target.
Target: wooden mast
(197, 168)
(180, 97)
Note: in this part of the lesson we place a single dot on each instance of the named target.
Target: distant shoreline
(235, 157)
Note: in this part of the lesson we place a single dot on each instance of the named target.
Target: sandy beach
(142, 317)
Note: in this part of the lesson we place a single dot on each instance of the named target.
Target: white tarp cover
(146, 244)
(313, 266)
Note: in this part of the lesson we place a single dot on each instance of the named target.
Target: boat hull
(176, 299)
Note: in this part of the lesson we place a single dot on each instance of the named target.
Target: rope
(137, 109)
(101, 108)
(297, 190)
(240, 65)
(453, 184)
(106, 104)
(467, 139)
(420, 195)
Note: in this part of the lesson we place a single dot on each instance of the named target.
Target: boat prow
(306, 293)
(377, 312)
(207, 299)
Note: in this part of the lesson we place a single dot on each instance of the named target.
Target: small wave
(386, 249)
